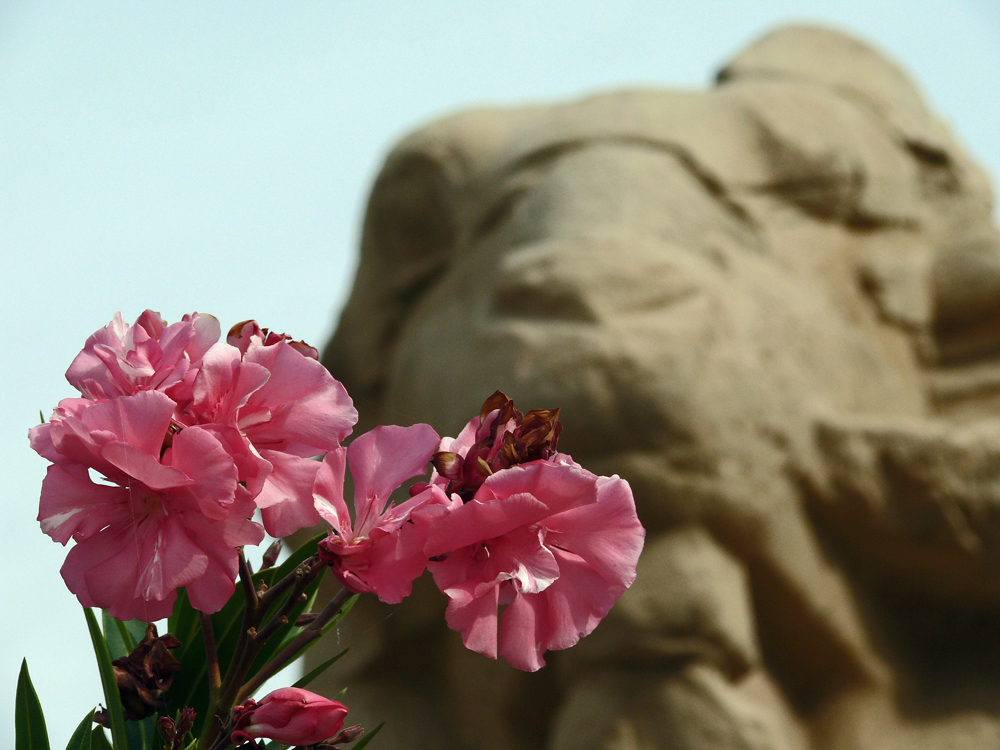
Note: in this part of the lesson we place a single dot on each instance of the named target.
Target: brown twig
(289, 652)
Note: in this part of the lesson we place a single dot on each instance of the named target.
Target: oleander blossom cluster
(176, 440)
(505, 522)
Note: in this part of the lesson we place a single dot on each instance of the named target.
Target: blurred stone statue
(774, 308)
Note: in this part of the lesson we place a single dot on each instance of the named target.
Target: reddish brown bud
(185, 721)
(174, 732)
(271, 555)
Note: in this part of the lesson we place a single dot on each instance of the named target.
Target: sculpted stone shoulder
(772, 307)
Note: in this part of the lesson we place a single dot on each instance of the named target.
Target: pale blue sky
(216, 157)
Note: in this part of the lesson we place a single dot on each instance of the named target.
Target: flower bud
(271, 555)
(289, 715)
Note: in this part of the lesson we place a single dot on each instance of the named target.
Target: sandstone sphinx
(774, 307)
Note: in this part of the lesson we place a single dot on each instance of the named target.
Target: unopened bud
(348, 734)
(165, 725)
(271, 555)
(185, 721)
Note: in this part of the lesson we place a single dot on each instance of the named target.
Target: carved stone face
(696, 280)
(681, 273)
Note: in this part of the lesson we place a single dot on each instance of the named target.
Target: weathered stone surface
(772, 306)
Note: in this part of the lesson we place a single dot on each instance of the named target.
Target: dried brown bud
(504, 437)
(146, 673)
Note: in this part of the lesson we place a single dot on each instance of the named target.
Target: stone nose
(965, 283)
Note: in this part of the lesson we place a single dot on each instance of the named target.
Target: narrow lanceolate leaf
(368, 737)
(313, 674)
(81, 737)
(99, 740)
(142, 734)
(29, 723)
(121, 637)
(116, 714)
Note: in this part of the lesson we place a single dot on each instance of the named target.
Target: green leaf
(142, 735)
(313, 674)
(81, 737)
(121, 637)
(368, 737)
(112, 698)
(29, 722)
(99, 740)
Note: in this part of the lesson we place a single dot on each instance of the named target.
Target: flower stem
(211, 655)
(251, 638)
(289, 652)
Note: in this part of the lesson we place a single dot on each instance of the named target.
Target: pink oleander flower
(275, 408)
(288, 715)
(119, 359)
(381, 550)
(168, 511)
(552, 543)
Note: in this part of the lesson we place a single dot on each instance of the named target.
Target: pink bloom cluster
(178, 438)
(505, 522)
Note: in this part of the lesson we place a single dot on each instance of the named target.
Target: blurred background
(216, 157)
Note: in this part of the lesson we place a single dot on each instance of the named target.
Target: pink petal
(169, 559)
(198, 454)
(143, 467)
(141, 419)
(87, 373)
(224, 384)
(389, 565)
(559, 486)
(521, 634)
(525, 561)
(210, 591)
(475, 617)
(72, 506)
(306, 404)
(606, 534)
(381, 460)
(328, 492)
(478, 521)
(206, 333)
(559, 616)
(287, 498)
